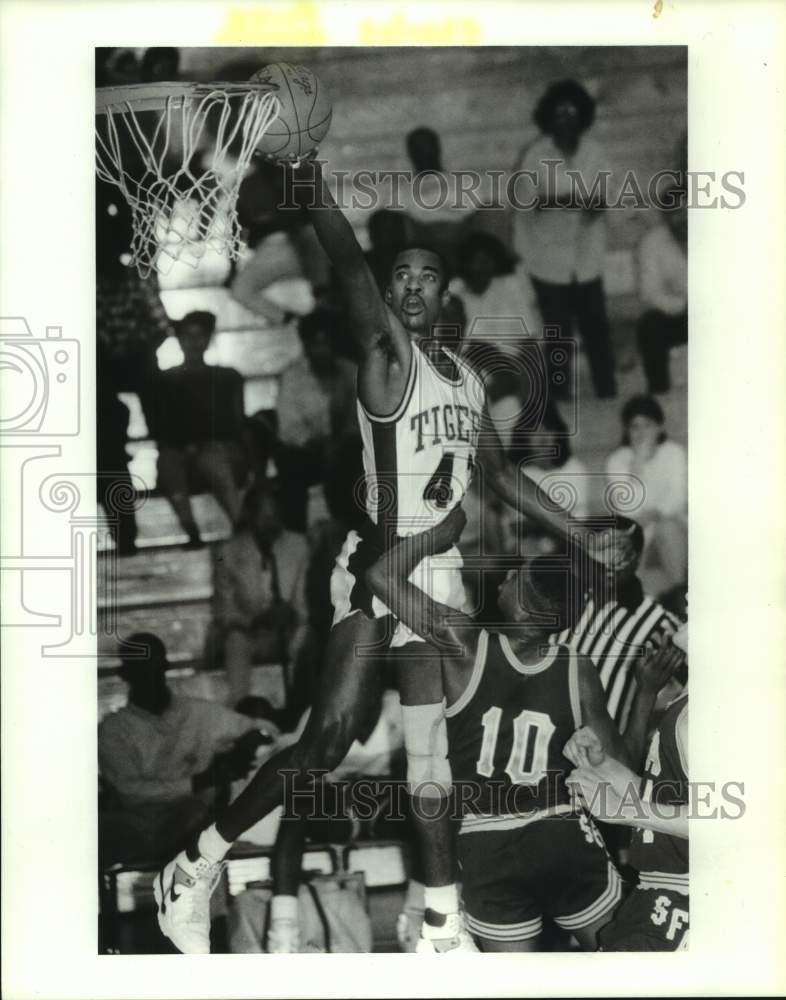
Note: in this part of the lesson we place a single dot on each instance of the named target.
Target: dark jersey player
(425, 425)
(655, 916)
(513, 702)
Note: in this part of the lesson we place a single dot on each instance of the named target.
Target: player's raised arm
(524, 494)
(367, 313)
(388, 579)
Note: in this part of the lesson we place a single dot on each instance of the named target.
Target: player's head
(194, 332)
(539, 595)
(417, 289)
(143, 666)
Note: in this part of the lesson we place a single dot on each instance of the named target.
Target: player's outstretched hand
(445, 534)
(658, 665)
(584, 748)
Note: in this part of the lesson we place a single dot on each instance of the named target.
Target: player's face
(416, 290)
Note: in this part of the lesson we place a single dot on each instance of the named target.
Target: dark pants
(584, 302)
(298, 468)
(656, 334)
(116, 495)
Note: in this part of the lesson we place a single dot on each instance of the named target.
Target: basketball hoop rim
(156, 96)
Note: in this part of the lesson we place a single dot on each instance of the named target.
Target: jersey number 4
(439, 489)
(532, 732)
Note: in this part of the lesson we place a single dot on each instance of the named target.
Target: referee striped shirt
(613, 636)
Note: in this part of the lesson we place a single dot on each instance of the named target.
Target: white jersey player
(424, 423)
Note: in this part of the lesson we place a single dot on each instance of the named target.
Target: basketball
(304, 118)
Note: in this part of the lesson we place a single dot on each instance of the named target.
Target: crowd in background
(163, 758)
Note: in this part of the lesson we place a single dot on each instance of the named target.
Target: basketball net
(180, 207)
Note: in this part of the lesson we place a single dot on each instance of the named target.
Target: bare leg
(172, 480)
(348, 693)
(587, 937)
(419, 677)
(215, 467)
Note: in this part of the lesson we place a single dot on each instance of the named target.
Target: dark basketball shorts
(439, 576)
(517, 869)
(650, 919)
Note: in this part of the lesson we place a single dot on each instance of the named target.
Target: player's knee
(426, 742)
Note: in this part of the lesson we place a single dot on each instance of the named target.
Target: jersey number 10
(532, 732)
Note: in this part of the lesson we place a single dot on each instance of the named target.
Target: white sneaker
(283, 938)
(444, 932)
(183, 890)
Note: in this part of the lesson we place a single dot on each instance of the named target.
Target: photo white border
(737, 80)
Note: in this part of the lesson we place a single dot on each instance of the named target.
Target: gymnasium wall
(480, 100)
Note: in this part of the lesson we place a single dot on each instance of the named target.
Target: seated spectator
(661, 467)
(163, 758)
(199, 427)
(270, 280)
(317, 412)
(495, 298)
(388, 233)
(663, 278)
(259, 591)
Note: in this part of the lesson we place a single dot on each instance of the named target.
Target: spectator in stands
(663, 284)
(199, 427)
(432, 199)
(160, 64)
(259, 591)
(116, 67)
(115, 489)
(163, 758)
(496, 299)
(316, 410)
(388, 233)
(563, 238)
(661, 468)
